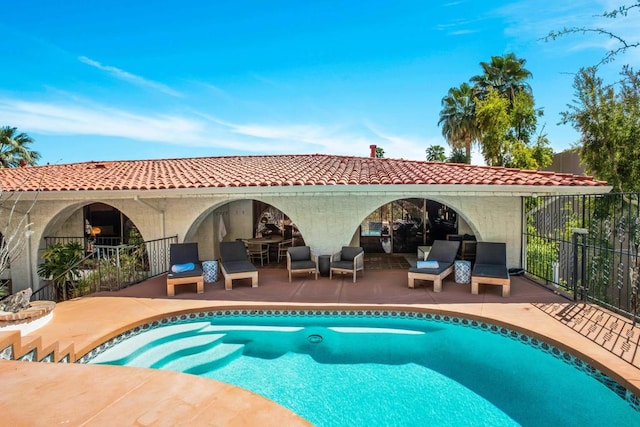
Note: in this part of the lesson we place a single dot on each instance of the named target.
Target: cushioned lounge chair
(235, 264)
(444, 253)
(491, 267)
(349, 260)
(300, 259)
(182, 256)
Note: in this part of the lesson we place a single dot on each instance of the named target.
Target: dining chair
(258, 251)
(283, 247)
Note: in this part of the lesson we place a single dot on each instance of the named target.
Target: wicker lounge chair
(300, 259)
(443, 252)
(349, 260)
(235, 264)
(182, 257)
(491, 267)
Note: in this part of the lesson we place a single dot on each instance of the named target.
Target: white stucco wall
(328, 217)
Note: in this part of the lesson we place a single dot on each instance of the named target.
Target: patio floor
(105, 395)
(380, 286)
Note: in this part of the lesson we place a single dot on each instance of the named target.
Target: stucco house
(327, 197)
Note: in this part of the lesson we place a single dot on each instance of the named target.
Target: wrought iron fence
(109, 268)
(587, 245)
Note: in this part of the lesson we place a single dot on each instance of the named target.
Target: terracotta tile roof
(274, 170)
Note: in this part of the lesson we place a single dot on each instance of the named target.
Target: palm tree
(435, 153)
(13, 148)
(506, 74)
(458, 118)
(457, 156)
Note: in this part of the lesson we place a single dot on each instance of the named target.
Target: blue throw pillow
(181, 268)
(428, 264)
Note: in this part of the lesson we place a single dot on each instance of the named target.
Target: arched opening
(248, 220)
(270, 221)
(92, 224)
(403, 225)
(92, 247)
(106, 225)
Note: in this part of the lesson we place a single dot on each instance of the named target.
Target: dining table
(268, 240)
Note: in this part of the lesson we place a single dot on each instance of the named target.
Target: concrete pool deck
(75, 394)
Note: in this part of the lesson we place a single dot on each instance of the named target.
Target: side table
(462, 271)
(210, 271)
(324, 264)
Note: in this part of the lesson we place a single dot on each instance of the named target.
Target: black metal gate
(586, 245)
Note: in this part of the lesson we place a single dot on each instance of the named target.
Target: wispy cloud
(129, 77)
(402, 146)
(462, 32)
(84, 118)
(91, 119)
(197, 130)
(212, 88)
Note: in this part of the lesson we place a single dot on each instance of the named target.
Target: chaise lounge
(437, 266)
(235, 264)
(185, 267)
(491, 267)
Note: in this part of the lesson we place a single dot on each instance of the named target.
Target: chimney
(373, 150)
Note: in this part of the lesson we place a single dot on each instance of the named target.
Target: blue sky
(96, 80)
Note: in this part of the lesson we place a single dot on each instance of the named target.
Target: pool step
(132, 347)
(158, 355)
(205, 361)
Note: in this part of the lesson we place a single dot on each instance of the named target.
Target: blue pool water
(382, 369)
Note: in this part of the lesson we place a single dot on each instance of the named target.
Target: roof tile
(273, 170)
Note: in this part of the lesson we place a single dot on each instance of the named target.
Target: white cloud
(51, 118)
(202, 130)
(131, 78)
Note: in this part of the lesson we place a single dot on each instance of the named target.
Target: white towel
(222, 230)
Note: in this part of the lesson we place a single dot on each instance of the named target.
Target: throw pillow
(181, 268)
(428, 264)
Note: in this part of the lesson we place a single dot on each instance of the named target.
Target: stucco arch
(63, 219)
(329, 221)
(236, 213)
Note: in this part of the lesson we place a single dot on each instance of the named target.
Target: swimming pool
(380, 367)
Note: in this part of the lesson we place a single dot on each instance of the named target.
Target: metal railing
(87, 242)
(587, 245)
(109, 268)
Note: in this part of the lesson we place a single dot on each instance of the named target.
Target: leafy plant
(458, 156)
(61, 265)
(435, 153)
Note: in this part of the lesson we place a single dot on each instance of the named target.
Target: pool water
(380, 370)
